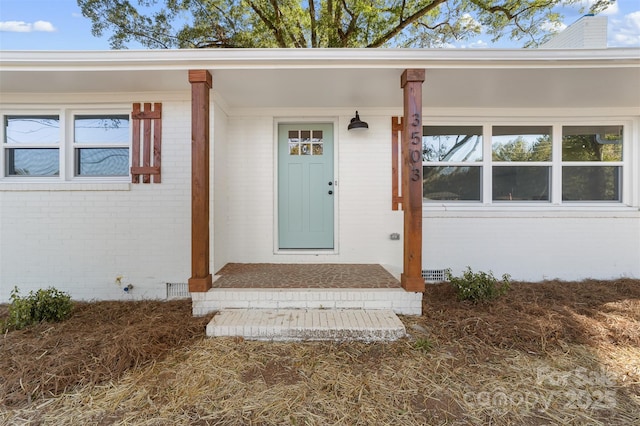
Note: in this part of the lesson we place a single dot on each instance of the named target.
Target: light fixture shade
(356, 123)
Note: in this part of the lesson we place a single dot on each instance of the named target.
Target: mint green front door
(306, 188)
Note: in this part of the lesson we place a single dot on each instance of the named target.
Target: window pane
(101, 129)
(521, 143)
(452, 143)
(452, 183)
(592, 143)
(32, 129)
(102, 162)
(521, 183)
(591, 183)
(32, 162)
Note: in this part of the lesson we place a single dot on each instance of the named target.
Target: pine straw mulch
(98, 344)
(546, 353)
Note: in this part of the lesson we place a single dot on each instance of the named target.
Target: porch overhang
(249, 78)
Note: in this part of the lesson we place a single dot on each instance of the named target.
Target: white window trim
(71, 146)
(66, 180)
(629, 187)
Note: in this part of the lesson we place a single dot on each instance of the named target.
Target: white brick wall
(589, 32)
(531, 245)
(570, 247)
(363, 194)
(219, 209)
(81, 240)
(397, 300)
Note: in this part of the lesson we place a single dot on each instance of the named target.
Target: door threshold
(306, 251)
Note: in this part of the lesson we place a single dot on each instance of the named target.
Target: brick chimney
(588, 32)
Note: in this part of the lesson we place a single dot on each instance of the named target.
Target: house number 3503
(414, 152)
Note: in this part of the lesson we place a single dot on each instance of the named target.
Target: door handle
(330, 183)
(330, 192)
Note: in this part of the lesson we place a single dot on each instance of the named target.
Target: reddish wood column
(411, 82)
(200, 87)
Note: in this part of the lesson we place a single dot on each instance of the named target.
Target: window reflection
(33, 162)
(591, 183)
(592, 143)
(452, 143)
(103, 162)
(521, 143)
(521, 183)
(305, 142)
(451, 183)
(34, 130)
(101, 129)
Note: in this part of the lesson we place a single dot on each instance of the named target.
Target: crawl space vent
(434, 275)
(177, 290)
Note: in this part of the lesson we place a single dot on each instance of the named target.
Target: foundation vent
(177, 290)
(434, 275)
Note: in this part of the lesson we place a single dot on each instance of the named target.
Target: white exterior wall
(534, 247)
(530, 243)
(363, 195)
(79, 237)
(218, 183)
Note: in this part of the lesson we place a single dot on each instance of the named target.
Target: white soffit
(343, 77)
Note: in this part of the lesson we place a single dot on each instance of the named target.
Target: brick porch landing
(306, 286)
(250, 297)
(271, 275)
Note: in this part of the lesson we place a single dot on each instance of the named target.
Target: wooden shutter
(147, 126)
(396, 138)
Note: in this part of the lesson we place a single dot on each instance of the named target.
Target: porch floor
(274, 275)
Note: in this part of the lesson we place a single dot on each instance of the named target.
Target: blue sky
(59, 25)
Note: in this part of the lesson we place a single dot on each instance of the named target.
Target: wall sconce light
(356, 123)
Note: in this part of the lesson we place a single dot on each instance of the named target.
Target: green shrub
(423, 345)
(478, 286)
(44, 305)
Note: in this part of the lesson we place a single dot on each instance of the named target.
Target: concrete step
(395, 299)
(307, 324)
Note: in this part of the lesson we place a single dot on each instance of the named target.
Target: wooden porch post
(200, 280)
(411, 82)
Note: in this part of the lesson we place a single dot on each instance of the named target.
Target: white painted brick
(81, 240)
(346, 304)
(376, 304)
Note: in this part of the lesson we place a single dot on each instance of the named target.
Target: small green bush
(423, 345)
(478, 286)
(44, 305)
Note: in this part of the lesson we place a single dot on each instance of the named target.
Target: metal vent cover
(177, 290)
(434, 275)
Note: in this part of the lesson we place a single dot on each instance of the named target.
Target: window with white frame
(101, 145)
(508, 164)
(66, 145)
(32, 145)
(591, 163)
(452, 158)
(521, 163)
